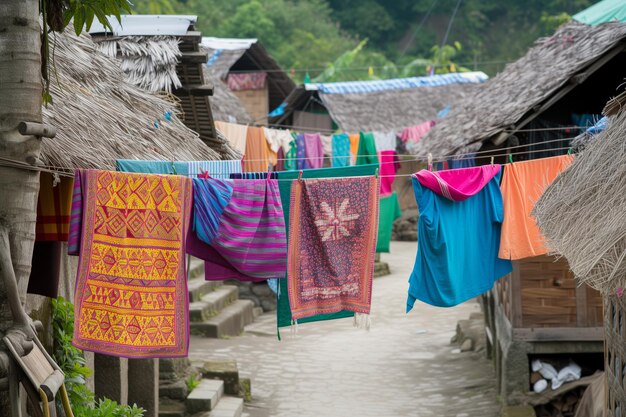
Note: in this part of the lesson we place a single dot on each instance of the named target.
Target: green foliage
(72, 362)
(192, 382)
(552, 22)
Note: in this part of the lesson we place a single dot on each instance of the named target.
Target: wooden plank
(192, 36)
(194, 57)
(195, 90)
(559, 334)
(581, 306)
(516, 295)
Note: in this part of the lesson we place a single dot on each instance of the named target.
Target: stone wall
(405, 228)
(258, 292)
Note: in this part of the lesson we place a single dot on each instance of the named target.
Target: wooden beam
(194, 57)
(37, 129)
(194, 90)
(191, 36)
(559, 334)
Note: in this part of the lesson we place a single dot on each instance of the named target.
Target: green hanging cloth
(367, 149)
(283, 310)
(389, 211)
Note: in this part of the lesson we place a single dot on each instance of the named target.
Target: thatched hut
(250, 72)
(582, 218)
(576, 70)
(162, 53)
(102, 117)
(377, 105)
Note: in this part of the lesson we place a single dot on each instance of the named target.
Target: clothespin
(56, 179)
(510, 158)
(300, 176)
(569, 151)
(174, 168)
(492, 160)
(430, 161)
(269, 171)
(204, 175)
(376, 173)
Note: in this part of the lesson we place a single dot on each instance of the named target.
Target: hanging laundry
(301, 161)
(46, 269)
(235, 133)
(463, 161)
(354, 147)
(367, 150)
(341, 150)
(220, 169)
(290, 156)
(247, 81)
(242, 220)
(458, 235)
(53, 208)
(332, 242)
(283, 310)
(280, 163)
(327, 145)
(256, 156)
(314, 151)
(217, 169)
(389, 165)
(522, 185)
(389, 211)
(410, 136)
(385, 141)
(278, 139)
(131, 286)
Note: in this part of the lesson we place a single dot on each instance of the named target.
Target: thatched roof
(554, 66)
(148, 61)
(393, 109)
(583, 213)
(102, 117)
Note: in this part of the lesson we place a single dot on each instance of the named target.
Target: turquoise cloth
(283, 310)
(602, 12)
(152, 167)
(458, 243)
(341, 150)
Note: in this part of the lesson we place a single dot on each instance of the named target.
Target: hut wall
(256, 103)
(312, 121)
(615, 355)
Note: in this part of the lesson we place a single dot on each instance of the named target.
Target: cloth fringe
(362, 321)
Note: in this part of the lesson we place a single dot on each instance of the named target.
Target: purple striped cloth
(250, 243)
(76, 215)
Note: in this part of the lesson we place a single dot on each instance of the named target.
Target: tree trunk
(20, 100)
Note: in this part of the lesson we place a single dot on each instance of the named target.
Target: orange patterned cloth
(257, 155)
(53, 208)
(354, 147)
(131, 289)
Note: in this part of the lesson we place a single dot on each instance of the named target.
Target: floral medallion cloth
(332, 241)
(131, 295)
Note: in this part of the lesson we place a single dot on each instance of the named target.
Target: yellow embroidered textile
(131, 293)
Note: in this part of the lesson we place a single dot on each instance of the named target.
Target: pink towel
(388, 167)
(314, 150)
(415, 133)
(457, 184)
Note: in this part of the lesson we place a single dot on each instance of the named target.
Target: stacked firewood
(561, 406)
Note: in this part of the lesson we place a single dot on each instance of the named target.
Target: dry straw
(583, 213)
(101, 117)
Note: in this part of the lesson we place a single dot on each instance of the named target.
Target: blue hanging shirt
(458, 242)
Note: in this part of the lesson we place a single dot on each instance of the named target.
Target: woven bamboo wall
(615, 355)
(542, 292)
(256, 103)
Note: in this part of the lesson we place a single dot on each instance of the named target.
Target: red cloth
(247, 81)
(389, 165)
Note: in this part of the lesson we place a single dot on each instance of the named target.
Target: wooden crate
(541, 301)
(615, 355)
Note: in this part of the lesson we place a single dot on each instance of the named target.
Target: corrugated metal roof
(229, 44)
(137, 25)
(353, 87)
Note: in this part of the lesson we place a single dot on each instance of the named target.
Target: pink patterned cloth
(457, 184)
(388, 166)
(247, 81)
(415, 133)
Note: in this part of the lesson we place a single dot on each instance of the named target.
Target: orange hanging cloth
(522, 185)
(257, 155)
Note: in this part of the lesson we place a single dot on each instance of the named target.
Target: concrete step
(196, 268)
(230, 322)
(169, 408)
(226, 371)
(228, 407)
(198, 288)
(213, 303)
(205, 396)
